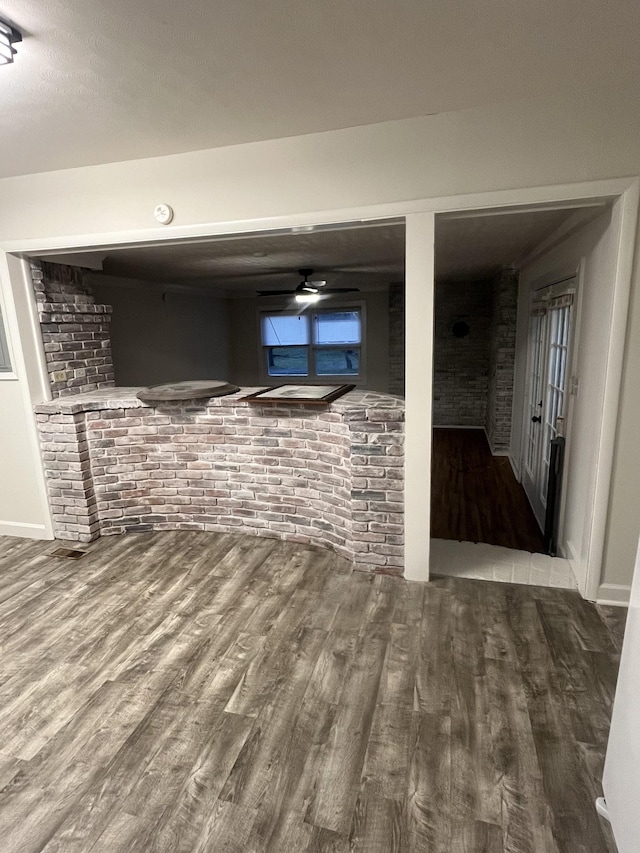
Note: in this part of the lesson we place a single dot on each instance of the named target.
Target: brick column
(502, 354)
(65, 452)
(75, 331)
(396, 338)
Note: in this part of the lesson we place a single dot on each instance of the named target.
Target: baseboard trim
(457, 426)
(616, 594)
(494, 452)
(571, 557)
(514, 467)
(24, 531)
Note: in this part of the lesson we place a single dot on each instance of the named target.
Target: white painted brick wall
(332, 477)
(75, 331)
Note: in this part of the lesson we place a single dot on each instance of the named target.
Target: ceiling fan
(307, 290)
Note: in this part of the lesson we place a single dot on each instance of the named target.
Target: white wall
(621, 779)
(163, 334)
(22, 509)
(550, 140)
(245, 368)
(23, 502)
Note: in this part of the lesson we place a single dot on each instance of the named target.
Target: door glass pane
(537, 333)
(337, 327)
(337, 361)
(287, 361)
(285, 329)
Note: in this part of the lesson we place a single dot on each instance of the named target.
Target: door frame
(23, 329)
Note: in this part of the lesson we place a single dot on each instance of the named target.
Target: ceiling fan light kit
(308, 291)
(8, 37)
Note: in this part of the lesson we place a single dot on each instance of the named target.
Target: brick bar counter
(327, 475)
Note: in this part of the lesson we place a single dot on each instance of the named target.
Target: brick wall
(331, 477)
(75, 331)
(396, 338)
(461, 365)
(502, 353)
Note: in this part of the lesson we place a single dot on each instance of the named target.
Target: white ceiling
(104, 80)
(365, 256)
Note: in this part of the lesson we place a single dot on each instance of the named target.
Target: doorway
(546, 360)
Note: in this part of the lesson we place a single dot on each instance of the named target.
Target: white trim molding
(419, 290)
(615, 594)
(25, 531)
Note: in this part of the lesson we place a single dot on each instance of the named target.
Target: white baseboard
(515, 467)
(571, 557)
(495, 452)
(24, 531)
(617, 594)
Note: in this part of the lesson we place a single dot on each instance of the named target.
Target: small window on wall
(317, 345)
(5, 363)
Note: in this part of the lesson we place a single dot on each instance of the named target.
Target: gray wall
(244, 333)
(163, 335)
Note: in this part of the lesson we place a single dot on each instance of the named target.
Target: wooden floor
(475, 496)
(197, 692)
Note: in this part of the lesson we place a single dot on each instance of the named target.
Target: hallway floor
(187, 692)
(479, 561)
(475, 496)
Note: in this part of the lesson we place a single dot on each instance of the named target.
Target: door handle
(536, 419)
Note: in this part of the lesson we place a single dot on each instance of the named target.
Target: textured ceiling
(479, 246)
(369, 257)
(103, 80)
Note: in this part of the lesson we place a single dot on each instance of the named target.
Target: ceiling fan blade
(341, 290)
(275, 292)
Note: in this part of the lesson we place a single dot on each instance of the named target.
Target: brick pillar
(65, 452)
(396, 338)
(75, 330)
(502, 353)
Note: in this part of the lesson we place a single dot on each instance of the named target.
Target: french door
(550, 334)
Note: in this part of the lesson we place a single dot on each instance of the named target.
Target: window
(5, 364)
(314, 345)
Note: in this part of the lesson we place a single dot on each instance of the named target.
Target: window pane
(336, 361)
(285, 329)
(5, 365)
(337, 327)
(287, 361)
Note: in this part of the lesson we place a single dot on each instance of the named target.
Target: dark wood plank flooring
(475, 496)
(188, 692)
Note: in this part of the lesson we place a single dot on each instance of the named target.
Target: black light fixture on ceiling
(8, 37)
(308, 291)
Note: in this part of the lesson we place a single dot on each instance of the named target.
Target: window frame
(313, 378)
